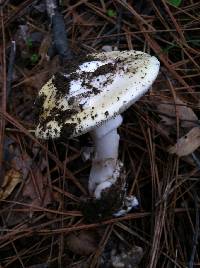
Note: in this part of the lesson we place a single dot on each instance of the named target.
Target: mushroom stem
(105, 165)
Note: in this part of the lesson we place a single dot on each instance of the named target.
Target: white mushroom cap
(97, 88)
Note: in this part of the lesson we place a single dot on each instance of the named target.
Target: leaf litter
(187, 144)
(41, 186)
(168, 109)
(11, 179)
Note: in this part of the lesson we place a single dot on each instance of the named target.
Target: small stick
(118, 26)
(196, 159)
(11, 67)
(60, 42)
(196, 232)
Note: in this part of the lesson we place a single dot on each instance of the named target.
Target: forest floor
(43, 184)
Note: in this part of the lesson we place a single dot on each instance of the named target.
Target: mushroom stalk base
(105, 165)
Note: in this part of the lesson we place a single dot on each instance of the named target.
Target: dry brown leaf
(17, 165)
(35, 189)
(83, 243)
(187, 144)
(167, 113)
(11, 179)
(44, 46)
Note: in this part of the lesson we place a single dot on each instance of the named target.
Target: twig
(196, 159)
(118, 26)
(196, 231)
(60, 42)
(3, 99)
(10, 68)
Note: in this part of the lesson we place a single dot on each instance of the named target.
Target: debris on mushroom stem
(105, 167)
(129, 203)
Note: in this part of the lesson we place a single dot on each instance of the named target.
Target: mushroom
(89, 97)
